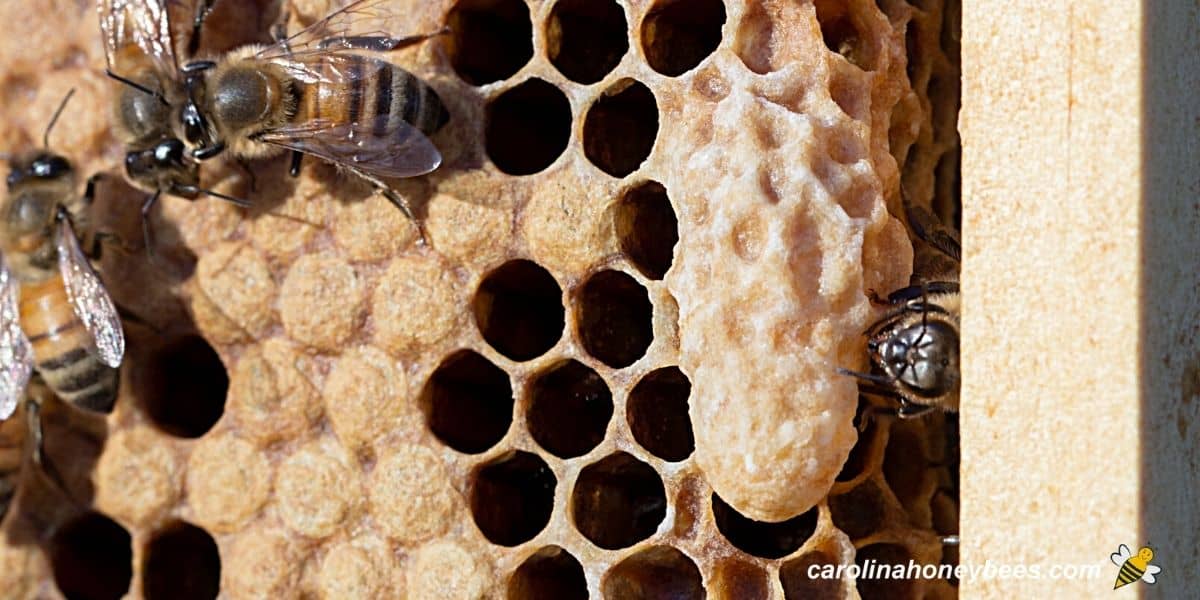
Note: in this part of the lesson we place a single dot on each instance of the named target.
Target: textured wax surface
(649, 246)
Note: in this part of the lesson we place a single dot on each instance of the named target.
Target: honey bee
(309, 93)
(914, 347)
(55, 315)
(1134, 567)
(139, 48)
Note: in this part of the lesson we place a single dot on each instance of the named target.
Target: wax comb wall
(613, 364)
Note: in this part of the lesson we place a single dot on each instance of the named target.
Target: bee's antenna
(137, 86)
(867, 376)
(54, 119)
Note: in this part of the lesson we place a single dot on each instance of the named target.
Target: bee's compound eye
(169, 152)
(49, 166)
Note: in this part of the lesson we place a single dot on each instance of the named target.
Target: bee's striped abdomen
(1129, 574)
(62, 347)
(371, 90)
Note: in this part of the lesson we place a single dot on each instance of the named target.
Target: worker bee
(1134, 567)
(55, 315)
(139, 48)
(914, 347)
(310, 94)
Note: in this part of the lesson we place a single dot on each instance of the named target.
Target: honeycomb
(609, 372)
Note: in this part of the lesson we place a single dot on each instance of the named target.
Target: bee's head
(42, 167)
(920, 352)
(1146, 554)
(164, 166)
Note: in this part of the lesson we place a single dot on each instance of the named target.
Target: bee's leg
(279, 31)
(297, 157)
(913, 292)
(202, 9)
(910, 410)
(147, 233)
(33, 414)
(380, 43)
(394, 198)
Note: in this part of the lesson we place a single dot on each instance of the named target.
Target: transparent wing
(1151, 572)
(382, 146)
(1120, 556)
(145, 24)
(16, 355)
(360, 25)
(89, 298)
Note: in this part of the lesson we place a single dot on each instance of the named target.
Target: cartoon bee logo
(1134, 567)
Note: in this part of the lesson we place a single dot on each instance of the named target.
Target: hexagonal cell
(797, 585)
(735, 579)
(512, 497)
(841, 34)
(181, 562)
(468, 402)
(528, 127)
(549, 574)
(92, 557)
(884, 588)
(614, 318)
(586, 38)
(652, 574)
(759, 538)
(677, 34)
(490, 40)
(858, 512)
(618, 501)
(657, 411)
(620, 128)
(647, 228)
(518, 308)
(185, 387)
(569, 409)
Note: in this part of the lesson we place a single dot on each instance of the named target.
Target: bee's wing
(929, 228)
(1120, 556)
(16, 355)
(1151, 572)
(89, 299)
(142, 23)
(359, 20)
(383, 146)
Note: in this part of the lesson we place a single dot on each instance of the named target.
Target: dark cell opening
(185, 387)
(490, 40)
(550, 574)
(760, 538)
(735, 579)
(614, 315)
(859, 512)
(647, 228)
(840, 33)
(528, 127)
(618, 501)
(905, 465)
(519, 310)
(620, 128)
(586, 38)
(655, 573)
(856, 461)
(182, 563)
(512, 497)
(570, 406)
(797, 585)
(885, 589)
(92, 558)
(468, 402)
(657, 410)
(678, 34)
